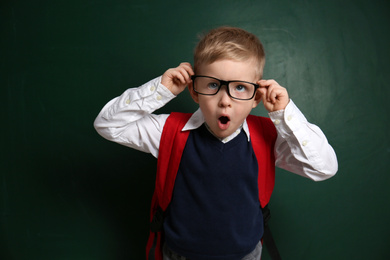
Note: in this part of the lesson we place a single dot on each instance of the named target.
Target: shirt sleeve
(302, 147)
(128, 119)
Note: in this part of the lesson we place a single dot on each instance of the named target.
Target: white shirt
(300, 147)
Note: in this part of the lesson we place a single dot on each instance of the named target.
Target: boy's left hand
(274, 96)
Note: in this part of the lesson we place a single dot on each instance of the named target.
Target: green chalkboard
(66, 193)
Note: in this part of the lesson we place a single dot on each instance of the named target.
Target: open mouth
(223, 122)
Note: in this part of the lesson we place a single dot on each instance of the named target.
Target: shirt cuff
(156, 89)
(287, 120)
(153, 95)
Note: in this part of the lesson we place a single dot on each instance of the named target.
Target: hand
(176, 79)
(273, 95)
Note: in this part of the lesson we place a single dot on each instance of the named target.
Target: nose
(224, 98)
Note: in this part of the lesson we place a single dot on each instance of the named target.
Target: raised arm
(301, 147)
(128, 119)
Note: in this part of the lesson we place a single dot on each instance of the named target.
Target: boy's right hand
(176, 79)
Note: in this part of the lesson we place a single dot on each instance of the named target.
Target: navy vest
(215, 211)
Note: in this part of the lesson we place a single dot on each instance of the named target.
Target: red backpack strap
(172, 144)
(263, 136)
(171, 148)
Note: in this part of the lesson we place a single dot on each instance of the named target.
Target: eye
(240, 88)
(213, 85)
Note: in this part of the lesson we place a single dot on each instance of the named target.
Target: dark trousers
(170, 255)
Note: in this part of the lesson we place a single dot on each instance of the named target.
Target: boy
(225, 172)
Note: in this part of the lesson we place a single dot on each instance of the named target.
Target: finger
(187, 71)
(262, 85)
(273, 96)
(265, 82)
(272, 93)
(263, 93)
(178, 77)
(261, 82)
(187, 67)
(185, 75)
(274, 89)
(268, 82)
(266, 86)
(187, 64)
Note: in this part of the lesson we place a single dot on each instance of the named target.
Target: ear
(257, 99)
(194, 95)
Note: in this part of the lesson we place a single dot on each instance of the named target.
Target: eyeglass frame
(226, 83)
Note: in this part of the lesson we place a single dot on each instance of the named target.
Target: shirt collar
(197, 119)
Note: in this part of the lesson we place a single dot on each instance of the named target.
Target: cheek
(242, 112)
(206, 109)
(206, 103)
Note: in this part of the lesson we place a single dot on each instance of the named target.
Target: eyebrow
(235, 80)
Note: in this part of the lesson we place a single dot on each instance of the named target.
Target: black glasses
(236, 89)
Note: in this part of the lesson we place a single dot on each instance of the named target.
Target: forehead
(230, 70)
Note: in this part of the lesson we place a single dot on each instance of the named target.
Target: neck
(225, 139)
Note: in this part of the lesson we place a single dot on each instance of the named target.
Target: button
(159, 97)
(277, 121)
(289, 118)
(128, 101)
(304, 143)
(152, 88)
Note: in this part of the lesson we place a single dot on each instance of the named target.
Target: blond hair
(229, 43)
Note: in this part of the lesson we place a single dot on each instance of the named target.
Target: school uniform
(300, 147)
